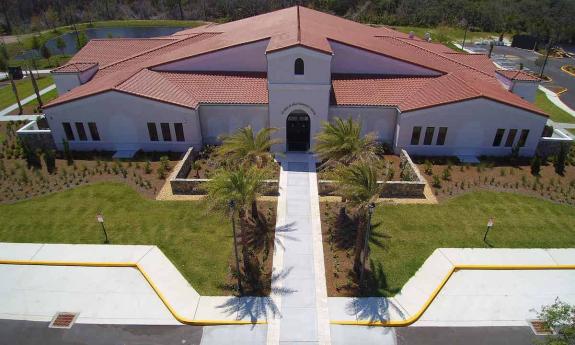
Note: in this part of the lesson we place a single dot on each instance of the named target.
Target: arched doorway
(297, 131)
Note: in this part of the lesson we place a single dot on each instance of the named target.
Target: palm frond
(357, 183)
(240, 184)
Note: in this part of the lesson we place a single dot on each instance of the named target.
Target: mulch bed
(501, 176)
(19, 180)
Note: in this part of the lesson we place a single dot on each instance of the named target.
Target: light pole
(232, 206)
(100, 218)
(489, 226)
(370, 209)
(545, 61)
(464, 22)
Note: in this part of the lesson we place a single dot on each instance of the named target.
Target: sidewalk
(299, 287)
(486, 297)
(115, 295)
(27, 100)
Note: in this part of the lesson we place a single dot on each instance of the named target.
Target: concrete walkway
(27, 100)
(299, 287)
(7, 118)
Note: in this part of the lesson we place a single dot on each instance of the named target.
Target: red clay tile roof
(464, 75)
(75, 67)
(191, 89)
(518, 75)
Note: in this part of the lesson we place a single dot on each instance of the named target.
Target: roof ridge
(443, 56)
(298, 25)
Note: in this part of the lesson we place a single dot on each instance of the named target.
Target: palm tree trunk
(256, 214)
(359, 242)
(244, 241)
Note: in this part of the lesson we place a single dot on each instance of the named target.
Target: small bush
(446, 174)
(428, 167)
(536, 165)
(148, 167)
(436, 181)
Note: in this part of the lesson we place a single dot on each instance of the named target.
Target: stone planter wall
(196, 186)
(391, 189)
(36, 137)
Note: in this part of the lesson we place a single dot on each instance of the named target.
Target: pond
(129, 32)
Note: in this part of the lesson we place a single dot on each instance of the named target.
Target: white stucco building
(291, 69)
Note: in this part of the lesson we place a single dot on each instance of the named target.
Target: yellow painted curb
(564, 69)
(148, 279)
(414, 318)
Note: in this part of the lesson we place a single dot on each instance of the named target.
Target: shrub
(161, 172)
(148, 167)
(560, 160)
(67, 153)
(536, 165)
(436, 181)
(428, 167)
(446, 174)
(165, 163)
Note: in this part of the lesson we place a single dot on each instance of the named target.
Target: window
(298, 67)
(68, 131)
(428, 135)
(441, 136)
(94, 131)
(179, 128)
(415, 135)
(498, 137)
(166, 131)
(523, 137)
(152, 131)
(81, 131)
(510, 138)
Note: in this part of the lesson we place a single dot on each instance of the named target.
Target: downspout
(396, 130)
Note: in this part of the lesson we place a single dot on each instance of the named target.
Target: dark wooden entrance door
(297, 126)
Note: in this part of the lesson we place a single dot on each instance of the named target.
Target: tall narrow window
(523, 137)
(441, 136)
(179, 128)
(152, 131)
(166, 131)
(498, 137)
(81, 131)
(68, 131)
(299, 66)
(510, 138)
(415, 134)
(428, 135)
(94, 131)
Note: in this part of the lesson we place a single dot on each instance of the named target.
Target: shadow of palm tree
(257, 308)
(373, 309)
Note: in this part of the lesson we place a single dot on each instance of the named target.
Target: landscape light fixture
(100, 219)
(489, 226)
(232, 207)
(370, 209)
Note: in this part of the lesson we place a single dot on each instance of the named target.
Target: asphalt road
(466, 336)
(13, 332)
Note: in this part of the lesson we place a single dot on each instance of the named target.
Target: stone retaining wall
(197, 186)
(412, 188)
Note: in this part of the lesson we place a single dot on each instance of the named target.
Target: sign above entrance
(298, 106)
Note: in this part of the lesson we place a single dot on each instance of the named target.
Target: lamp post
(232, 206)
(100, 219)
(370, 209)
(489, 226)
(545, 61)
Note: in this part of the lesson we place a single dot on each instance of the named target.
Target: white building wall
(471, 128)
(243, 58)
(122, 123)
(67, 81)
(526, 90)
(225, 119)
(380, 121)
(289, 92)
(347, 59)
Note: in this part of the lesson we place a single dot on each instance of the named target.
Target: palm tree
(246, 147)
(242, 185)
(357, 184)
(341, 141)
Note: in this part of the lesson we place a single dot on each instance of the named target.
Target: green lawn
(25, 89)
(410, 233)
(197, 243)
(556, 114)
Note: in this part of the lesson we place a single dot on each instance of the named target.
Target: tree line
(542, 18)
